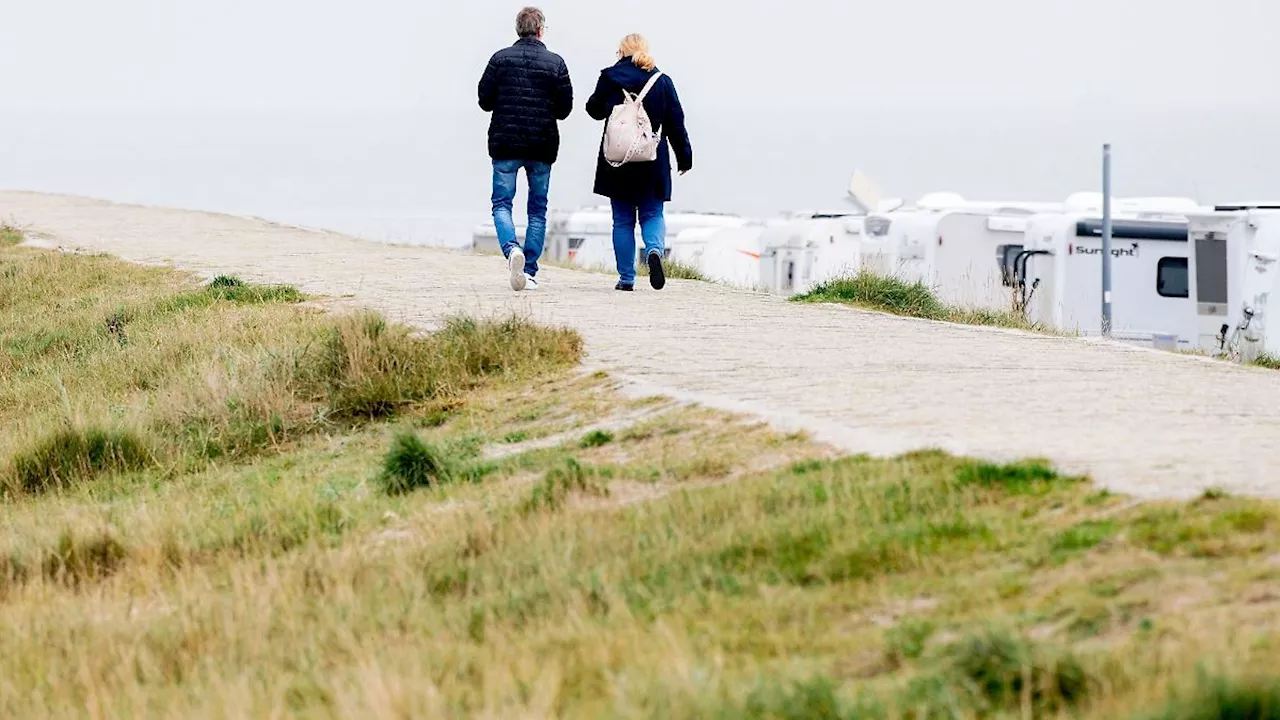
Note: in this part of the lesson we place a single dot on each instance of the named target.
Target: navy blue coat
(637, 182)
(527, 88)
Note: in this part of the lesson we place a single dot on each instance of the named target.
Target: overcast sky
(396, 53)
(785, 97)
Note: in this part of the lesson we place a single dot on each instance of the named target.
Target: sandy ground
(1139, 421)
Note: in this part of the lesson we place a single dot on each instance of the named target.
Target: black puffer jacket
(527, 88)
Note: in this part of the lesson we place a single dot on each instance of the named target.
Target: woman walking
(638, 189)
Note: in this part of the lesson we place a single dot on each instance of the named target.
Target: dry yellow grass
(593, 556)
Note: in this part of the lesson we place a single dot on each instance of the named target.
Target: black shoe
(624, 287)
(657, 276)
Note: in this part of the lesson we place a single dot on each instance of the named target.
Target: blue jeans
(504, 193)
(653, 228)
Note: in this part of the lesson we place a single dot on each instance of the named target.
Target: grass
(9, 235)
(103, 380)
(411, 464)
(1224, 698)
(674, 270)
(1266, 360)
(909, 299)
(562, 483)
(1004, 671)
(597, 438)
(405, 525)
(74, 454)
(231, 289)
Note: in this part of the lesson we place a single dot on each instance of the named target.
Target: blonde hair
(636, 47)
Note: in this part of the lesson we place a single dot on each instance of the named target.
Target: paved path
(1141, 422)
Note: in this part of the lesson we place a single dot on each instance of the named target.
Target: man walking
(527, 89)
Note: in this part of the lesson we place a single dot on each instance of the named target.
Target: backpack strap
(648, 86)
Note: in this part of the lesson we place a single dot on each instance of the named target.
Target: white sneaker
(529, 282)
(515, 263)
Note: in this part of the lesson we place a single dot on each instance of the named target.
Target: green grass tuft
(1212, 494)
(9, 235)
(1266, 360)
(1004, 669)
(674, 270)
(73, 455)
(411, 464)
(909, 299)
(256, 294)
(877, 292)
(596, 438)
(560, 484)
(226, 281)
(229, 289)
(679, 271)
(1021, 478)
(1083, 537)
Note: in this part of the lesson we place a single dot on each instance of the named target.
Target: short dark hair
(530, 22)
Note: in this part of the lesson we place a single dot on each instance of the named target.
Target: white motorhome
(589, 234)
(484, 238)
(1057, 273)
(557, 247)
(727, 255)
(941, 201)
(784, 256)
(951, 251)
(1232, 276)
(807, 250)
(584, 236)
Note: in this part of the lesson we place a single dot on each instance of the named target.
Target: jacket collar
(531, 41)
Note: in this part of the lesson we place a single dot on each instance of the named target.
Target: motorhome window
(575, 243)
(1211, 270)
(877, 226)
(1172, 278)
(1007, 256)
(1135, 230)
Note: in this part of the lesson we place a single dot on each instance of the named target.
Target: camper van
(589, 234)
(1057, 276)
(1232, 275)
(557, 247)
(806, 250)
(784, 256)
(584, 236)
(952, 252)
(727, 255)
(484, 238)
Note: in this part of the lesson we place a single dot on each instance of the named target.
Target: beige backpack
(629, 136)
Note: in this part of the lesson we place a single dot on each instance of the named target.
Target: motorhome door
(1211, 303)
